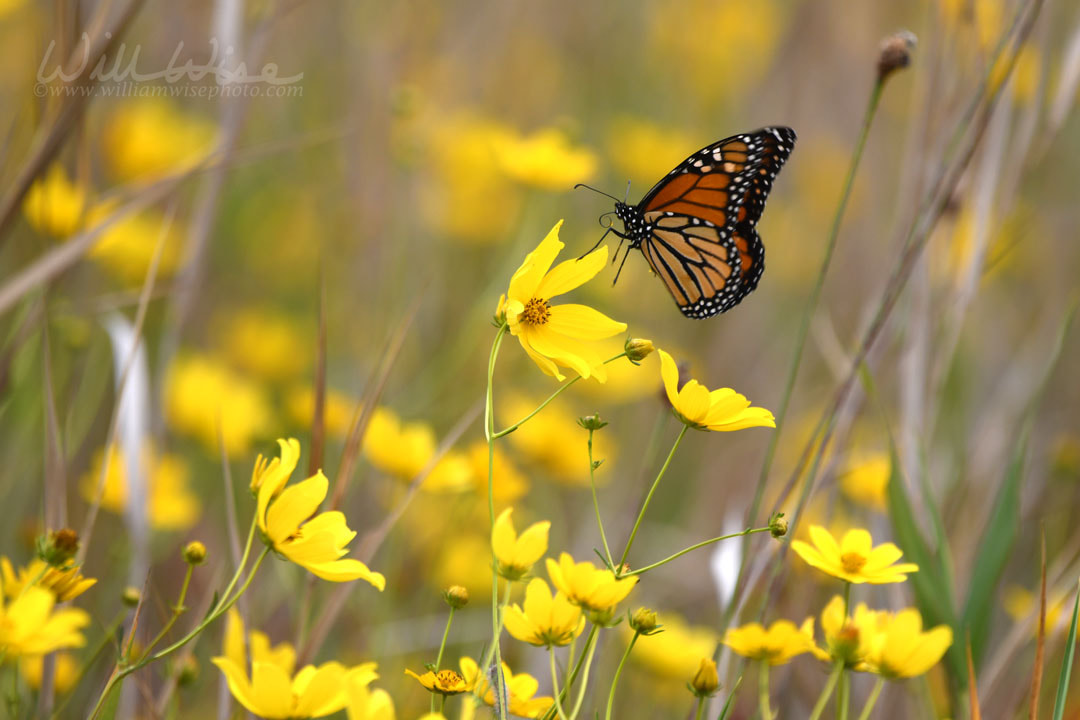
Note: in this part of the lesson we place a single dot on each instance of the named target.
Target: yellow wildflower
(901, 648)
(775, 645)
(705, 680)
(853, 559)
(170, 505)
(544, 159)
(508, 483)
(282, 346)
(1019, 602)
(65, 671)
(31, 625)
(553, 440)
(65, 583)
(866, 480)
(520, 688)
(849, 639)
(592, 588)
(365, 703)
(273, 690)
(203, 398)
(54, 205)
(557, 335)
(721, 410)
(516, 555)
(148, 137)
(127, 246)
(674, 653)
(643, 151)
(404, 450)
(444, 682)
(544, 620)
(289, 523)
(338, 409)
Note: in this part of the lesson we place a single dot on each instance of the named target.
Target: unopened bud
(706, 680)
(59, 547)
(778, 525)
(456, 596)
(643, 621)
(194, 553)
(189, 671)
(591, 422)
(130, 596)
(895, 53)
(637, 349)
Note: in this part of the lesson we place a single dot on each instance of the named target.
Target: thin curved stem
(555, 684)
(584, 681)
(618, 672)
(843, 696)
(596, 503)
(648, 498)
(872, 700)
(489, 432)
(442, 647)
(748, 531)
(827, 691)
(589, 641)
(763, 691)
(177, 611)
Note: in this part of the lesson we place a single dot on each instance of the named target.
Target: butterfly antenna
(619, 271)
(597, 242)
(590, 187)
(626, 199)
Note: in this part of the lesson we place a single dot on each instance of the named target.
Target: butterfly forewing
(697, 228)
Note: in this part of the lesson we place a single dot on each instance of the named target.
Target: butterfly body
(697, 226)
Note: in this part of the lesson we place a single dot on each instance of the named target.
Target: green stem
(103, 643)
(177, 611)
(847, 599)
(827, 691)
(442, 647)
(562, 388)
(763, 691)
(618, 672)
(596, 504)
(555, 683)
(584, 681)
(645, 505)
(748, 531)
(808, 315)
(573, 673)
(700, 708)
(843, 696)
(489, 432)
(872, 700)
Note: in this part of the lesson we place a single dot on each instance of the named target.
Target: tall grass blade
(1067, 663)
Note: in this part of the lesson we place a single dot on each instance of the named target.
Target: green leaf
(994, 551)
(1067, 663)
(112, 702)
(730, 700)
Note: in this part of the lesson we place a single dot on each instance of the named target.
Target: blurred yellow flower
(365, 703)
(706, 680)
(170, 505)
(544, 159)
(203, 398)
(508, 483)
(404, 450)
(7, 7)
(853, 559)
(674, 653)
(544, 620)
(273, 691)
(283, 350)
(520, 688)
(148, 137)
(721, 410)
(444, 682)
(592, 588)
(127, 246)
(65, 583)
(470, 198)
(776, 645)
(848, 639)
(466, 561)
(645, 152)
(54, 205)
(289, 523)
(516, 555)
(557, 335)
(866, 480)
(32, 625)
(1019, 602)
(554, 440)
(902, 650)
(626, 381)
(65, 672)
(338, 409)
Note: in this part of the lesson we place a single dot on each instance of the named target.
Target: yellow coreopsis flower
(848, 639)
(170, 504)
(520, 688)
(365, 703)
(553, 440)
(273, 691)
(674, 653)
(721, 410)
(65, 583)
(508, 483)
(404, 450)
(444, 682)
(1019, 602)
(287, 519)
(853, 559)
(544, 620)
(338, 409)
(557, 335)
(283, 348)
(775, 645)
(127, 245)
(54, 205)
(65, 672)
(149, 137)
(901, 649)
(594, 589)
(516, 555)
(866, 480)
(544, 159)
(31, 625)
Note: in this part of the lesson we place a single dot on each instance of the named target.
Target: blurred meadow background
(192, 266)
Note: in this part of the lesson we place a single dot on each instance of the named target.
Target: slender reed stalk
(618, 672)
(648, 498)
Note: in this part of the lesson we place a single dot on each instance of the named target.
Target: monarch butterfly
(696, 227)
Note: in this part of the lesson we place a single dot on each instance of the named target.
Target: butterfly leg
(609, 230)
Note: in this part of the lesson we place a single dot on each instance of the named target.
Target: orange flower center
(447, 680)
(536, 312)
(852, 562)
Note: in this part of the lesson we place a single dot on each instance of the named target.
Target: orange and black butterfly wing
(699, 221)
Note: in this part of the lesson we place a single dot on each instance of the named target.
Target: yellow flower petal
(571, 274)
(524, 282)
